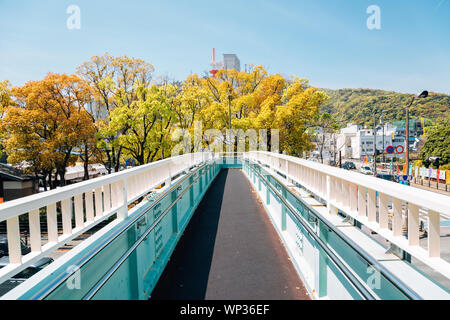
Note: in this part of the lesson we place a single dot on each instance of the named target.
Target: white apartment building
(344, 140)
(363, 143)
(356, 142)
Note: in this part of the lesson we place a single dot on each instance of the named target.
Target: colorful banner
(430, 173)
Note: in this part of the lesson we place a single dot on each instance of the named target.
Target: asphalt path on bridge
(230, 251)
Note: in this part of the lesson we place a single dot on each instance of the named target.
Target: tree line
(112, 109)
(359, 105)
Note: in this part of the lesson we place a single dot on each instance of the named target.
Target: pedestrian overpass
(256, 225)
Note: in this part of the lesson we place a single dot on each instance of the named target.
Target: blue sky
(325, 41)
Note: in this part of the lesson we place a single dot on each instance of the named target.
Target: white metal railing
(88, 203)
(367, 199)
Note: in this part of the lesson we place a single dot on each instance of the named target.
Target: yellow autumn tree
(259, 100)
(5, 101)
(48, 124)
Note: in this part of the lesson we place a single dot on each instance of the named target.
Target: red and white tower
(216, 65)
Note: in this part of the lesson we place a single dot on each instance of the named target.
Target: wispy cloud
(440, 3)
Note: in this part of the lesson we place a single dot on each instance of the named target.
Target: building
(361, 141)
(363, 144)
(231, 61)
(15, 184)
(344, 140)
(415, 127)
(76, 173)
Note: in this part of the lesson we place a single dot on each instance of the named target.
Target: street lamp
(374, 145)
(382, 125)
(230, 97)
(423, 95)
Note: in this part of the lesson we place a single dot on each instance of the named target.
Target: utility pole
(382, 124)
(424, 94)
(407, 139)
(2, 196)
(229, 117)
(374, 145)
(334, 149)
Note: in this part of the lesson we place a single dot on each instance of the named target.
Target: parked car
(4, 247)
(366, 170)
(22, 276)
(386, 176)
(349, 165)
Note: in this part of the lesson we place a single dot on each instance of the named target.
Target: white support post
(35, 230)
(52, 223)
(13, 234)
(372, 206)
(123, 211)
(434, 234)
(79, 215)
(338, 190)
(362, 201)
(115, 194)
(168, 181)
(287, 170)
(89, 206)
(131, 190)
(331, 208)
(384, 211)
(66, 208)
(98, 202)
(397, 219)
(107, 197)
(346, 194)
(413, 225)
(353, 198)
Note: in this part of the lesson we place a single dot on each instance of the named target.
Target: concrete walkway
(230, 251)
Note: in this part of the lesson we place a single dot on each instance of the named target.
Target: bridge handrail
(408, 292)
(88, 203)
(360, 197)
(358, 284)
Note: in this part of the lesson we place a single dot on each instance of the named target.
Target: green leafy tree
(358, 105)
(114, 82)
(147, 121)
(438, 142)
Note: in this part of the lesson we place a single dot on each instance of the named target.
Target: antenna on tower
(215, 65)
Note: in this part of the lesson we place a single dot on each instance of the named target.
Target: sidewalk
(433, 187)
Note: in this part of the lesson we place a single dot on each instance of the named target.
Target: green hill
(358, 105)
